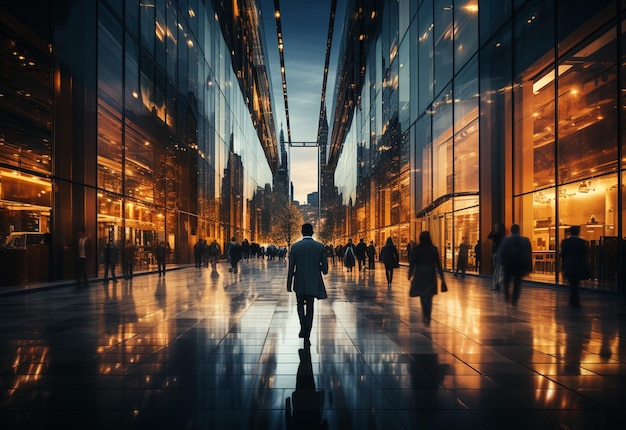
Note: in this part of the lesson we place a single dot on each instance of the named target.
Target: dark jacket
(515, 253)
(307, 263)
(574, 255)
(389, 255)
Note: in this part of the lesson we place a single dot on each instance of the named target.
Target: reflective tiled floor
(214, 350)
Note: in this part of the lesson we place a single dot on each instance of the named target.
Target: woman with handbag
(423, 269)
(390, 258)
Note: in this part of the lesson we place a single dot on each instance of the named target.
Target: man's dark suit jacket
(307, 262)
(574, 255)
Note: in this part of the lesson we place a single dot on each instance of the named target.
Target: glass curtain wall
(153, 138)
(172, 147)
(565, 148)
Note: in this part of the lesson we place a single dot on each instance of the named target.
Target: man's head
(574, 230)
(515, 229)
(307, 229)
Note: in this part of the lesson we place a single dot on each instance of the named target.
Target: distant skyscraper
(281, 181)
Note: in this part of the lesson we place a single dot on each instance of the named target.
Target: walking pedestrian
(390, 258)
(198, 252)
(84, 252)
(161, 255)
(371, 255)
(361, 253)
(307, 263)
(349, 255)
(463, 257)
(129, 259)
(111, 255)
(515, 253)
(424, 266)
(234, 254)
(214, 253)
(575, 265)
(496, 235)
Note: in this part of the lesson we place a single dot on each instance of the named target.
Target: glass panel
(109, 148)
(535, 213)
(443, 33)
(26, 109)
(466, 170)
(534, 37)
(442, 145)
(587, 114)
(534, 148)
(465, 31)
(493, 13)
(426, 54)
(591, 204)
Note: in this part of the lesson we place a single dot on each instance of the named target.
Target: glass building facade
(454, 115)
(137, 121)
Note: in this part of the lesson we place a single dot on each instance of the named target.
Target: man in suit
(575, 267)
(515, 253)
(307, 263)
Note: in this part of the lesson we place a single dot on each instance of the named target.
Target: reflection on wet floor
(203, 348)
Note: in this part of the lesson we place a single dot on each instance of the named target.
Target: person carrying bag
(424, 267)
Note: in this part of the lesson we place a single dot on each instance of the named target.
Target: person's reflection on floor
(159, 294)
(111, 310)
(305, 408)
(577, 329)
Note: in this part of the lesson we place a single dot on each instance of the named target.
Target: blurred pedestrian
(234, 254)
(129, 259)
(161, 255)
(575, 265)
(84, 252)
(496, 235)
(424, 266)
(462, 260)
(371, 255)
(515, 254)
(111, 255)
(349, 255)
(390, 258)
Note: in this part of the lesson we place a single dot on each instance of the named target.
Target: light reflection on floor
(210, 349)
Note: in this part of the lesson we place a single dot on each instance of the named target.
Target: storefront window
(587, 109)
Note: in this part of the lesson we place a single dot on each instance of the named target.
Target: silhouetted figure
(234, 254)
(198, 252)
(84, 252)
(214, 253)
(129, 259)
(349, 255)
(477, 251)
(305, 408)
(390, 258)
(424, 266)
(161, 255)
(361, 254)
(371, 255)
(307, 263)
(515, 254)
(496, 236)
(462, 260)
(575, 266)
(111, 255)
